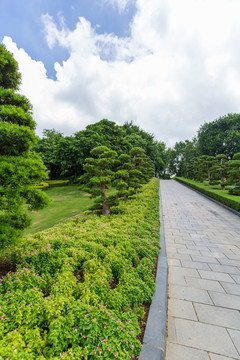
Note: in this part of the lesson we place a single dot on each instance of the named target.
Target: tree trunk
(222, 181)
(106, 208)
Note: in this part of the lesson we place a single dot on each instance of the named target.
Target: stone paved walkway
(203, 251)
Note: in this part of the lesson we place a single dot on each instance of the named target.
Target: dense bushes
(80, 287)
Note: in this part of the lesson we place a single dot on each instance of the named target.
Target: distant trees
(20, 167)
(64, 156)
(221, 136)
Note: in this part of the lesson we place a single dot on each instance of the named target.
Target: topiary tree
(219, 170)
(20, 167)
(99, 176)
(233, 172)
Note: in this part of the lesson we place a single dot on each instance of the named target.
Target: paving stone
(229, 262)
(177, 246)
(204, 284)
(204, 337)
(235, 335)
(190, 294)
(218, 316)
(183, 271)
(195, 265)
(225, 269)
(197, 247)
(174, 262)
(205, 259)
(189, 252)
(236, 278)
(233, 289)
(182, 309)
(171, 330)
(179, 256)
(179, 352)
(225, 300)
(177, 280)
(219, 357)
(212, 275)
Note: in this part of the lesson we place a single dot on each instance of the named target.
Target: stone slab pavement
(203, 253)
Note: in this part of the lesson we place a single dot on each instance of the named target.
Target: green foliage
(221, 136)
(20, 167)
(233, 172)
(10, 78)
(55, 183)
(9, 97)
(99, 176)
(65, 156)
(80, 287)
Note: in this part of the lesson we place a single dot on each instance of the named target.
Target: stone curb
(209, 198)
(155, 332)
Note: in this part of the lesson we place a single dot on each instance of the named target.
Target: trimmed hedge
(50, 183)
(41, 186)
(218, 195)
(55, 183)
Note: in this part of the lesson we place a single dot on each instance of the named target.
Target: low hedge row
(44, 185)
(55, 183)
(229, 200)
(79, 288)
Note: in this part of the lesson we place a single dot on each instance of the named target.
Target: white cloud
(179, 68)
(121, 5)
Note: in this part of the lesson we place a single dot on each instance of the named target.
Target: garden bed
(80, 288)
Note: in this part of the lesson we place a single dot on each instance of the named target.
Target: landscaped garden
(78, 290)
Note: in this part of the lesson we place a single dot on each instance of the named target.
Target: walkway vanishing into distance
(203, 253)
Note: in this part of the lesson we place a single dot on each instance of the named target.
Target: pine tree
(98, 177)
(20, 167)
(219, 170)
(233, 172)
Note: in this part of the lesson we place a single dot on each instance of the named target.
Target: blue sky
(21, 20)
(167, 65)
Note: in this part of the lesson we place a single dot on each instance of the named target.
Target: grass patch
(213, 191)
(67, 202)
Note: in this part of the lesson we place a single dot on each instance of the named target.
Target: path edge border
(155, 332)
(210, 198)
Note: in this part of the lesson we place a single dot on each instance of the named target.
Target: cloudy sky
(167, 65)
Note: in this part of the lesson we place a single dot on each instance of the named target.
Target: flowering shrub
(80, 287)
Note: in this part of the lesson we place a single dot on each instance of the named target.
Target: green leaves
(19, 166)
(16, 115)
(10, 78)
(80, 287)
(99, 176)
(14, 139)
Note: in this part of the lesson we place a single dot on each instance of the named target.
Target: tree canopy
(64, 156)
(20, 167)
(221, 136)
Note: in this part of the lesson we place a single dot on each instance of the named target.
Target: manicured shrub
(55, 183)
(80, 287)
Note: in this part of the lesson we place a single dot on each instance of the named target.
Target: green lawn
(214, 191)
(67, 201)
